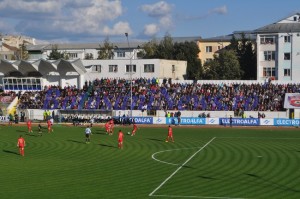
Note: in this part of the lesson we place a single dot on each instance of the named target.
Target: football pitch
(216, 163)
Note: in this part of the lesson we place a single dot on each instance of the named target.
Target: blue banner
(286, 122)
(240, 121)
(186, 120)
(143, 120)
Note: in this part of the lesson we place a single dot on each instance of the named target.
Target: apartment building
(278, 50)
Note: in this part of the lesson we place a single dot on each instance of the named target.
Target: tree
(228, 66)
(189, 51)
(165, 48)
(106, 52)
(222, 67)
(247, 58)
(55, 54)
(149, 49)
(246, 55)
(23, 52)
(89, 56)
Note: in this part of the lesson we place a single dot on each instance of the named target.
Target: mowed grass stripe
(61, 165)
(244, 172)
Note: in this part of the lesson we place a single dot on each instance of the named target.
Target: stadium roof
(42, 66)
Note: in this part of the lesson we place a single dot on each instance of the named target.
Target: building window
(208, 49)
(173, 68)
(267, 40)
(130, 69)
(72, 55)
(149, 68)
(208, 60)
(268, 72)
(96, 68)
(287, 72)
(269, 55)
(287, 39)
(287, 56)
(113, 68)
(120, 54)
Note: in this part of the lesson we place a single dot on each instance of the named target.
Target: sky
(88, 21)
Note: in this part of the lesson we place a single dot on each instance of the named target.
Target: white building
(278, 50)
(34, 75)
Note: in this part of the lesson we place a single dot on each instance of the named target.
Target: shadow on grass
(108, 145)
(207, 177)
(22, 131)
(275, 184)
(154, 139)
(75, 141)
(11, 152)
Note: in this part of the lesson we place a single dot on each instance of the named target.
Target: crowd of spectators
(150, 94)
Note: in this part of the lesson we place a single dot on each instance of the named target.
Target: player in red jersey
(170, 134)
(49, 123)
(107, 126)
(29, 126)
(120, 139)
(111, 127)
(134, 129)
(21, 144)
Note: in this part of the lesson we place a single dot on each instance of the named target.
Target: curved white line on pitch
(153, 155)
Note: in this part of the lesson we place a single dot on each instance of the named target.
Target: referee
(88, 134)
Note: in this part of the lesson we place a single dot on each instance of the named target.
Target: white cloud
(31, 6)
(66, 17)
(158, 9)
(161, 11)
(220, 10)
(118, 29)
(151, 29)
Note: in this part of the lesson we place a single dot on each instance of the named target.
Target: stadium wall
(37, 114)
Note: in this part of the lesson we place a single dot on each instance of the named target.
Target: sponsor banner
(143, 120)
(212, 121)
(159, 120)
(292, 100)
(266, 122)
(186, 120)
(240, 121)
(4, 118)
(286, 122)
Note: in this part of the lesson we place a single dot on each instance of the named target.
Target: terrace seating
(114, 94)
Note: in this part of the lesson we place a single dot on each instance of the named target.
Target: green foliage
(222, 67)
(88, 56)
(185, 51)
(55, 54)
(246, 54)
(106, 51)
(23, 52)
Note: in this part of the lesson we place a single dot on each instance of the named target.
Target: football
(128, 133)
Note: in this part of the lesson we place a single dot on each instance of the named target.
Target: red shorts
(120, 140)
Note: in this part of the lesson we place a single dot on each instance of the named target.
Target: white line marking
(153, 155)
(180, 167)
(205, 197)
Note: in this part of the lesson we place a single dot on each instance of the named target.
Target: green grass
(202, 163)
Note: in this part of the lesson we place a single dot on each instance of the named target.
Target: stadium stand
(149, 94)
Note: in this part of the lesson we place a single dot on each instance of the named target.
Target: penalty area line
(168, 178)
